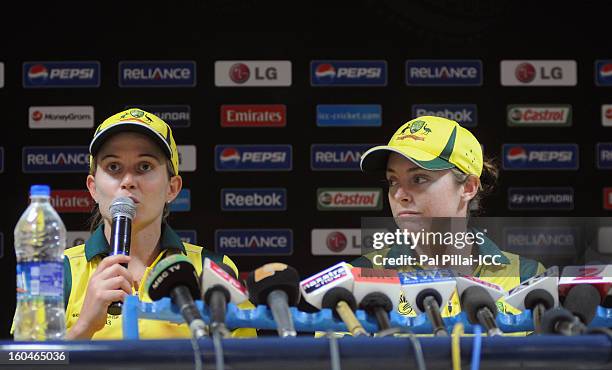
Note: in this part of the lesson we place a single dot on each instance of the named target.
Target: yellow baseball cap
(137, 120)
(432, 143)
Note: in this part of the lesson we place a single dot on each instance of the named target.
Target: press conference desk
(552, 352)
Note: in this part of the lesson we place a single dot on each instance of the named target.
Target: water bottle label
(40, 278)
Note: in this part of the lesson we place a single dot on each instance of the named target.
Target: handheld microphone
(538, 294)
(218, 288)
(427, 291)
(331, 288)
(277, 285)
(377, 290)
(175, 277)
(122, 211)
(560, 321)
(478, 298)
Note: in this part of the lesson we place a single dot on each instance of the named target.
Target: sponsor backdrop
(271, 127)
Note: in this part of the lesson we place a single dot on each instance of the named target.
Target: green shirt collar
(97, 245)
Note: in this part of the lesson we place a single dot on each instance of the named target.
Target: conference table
(308, 353)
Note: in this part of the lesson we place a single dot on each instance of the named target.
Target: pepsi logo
(37, 115)
(525, 72)
(325, 71)
(325, 198)
(239, 73)
(38, 72)
(517, 154)
(230, 156)
(336, 241)
(606, 70)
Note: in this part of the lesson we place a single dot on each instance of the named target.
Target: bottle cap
(40, 190)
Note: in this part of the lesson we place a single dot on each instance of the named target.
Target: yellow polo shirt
(81, 261)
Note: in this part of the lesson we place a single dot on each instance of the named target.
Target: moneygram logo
(271, 199)
(348, 73)
(541, 199)
(326, 242)
(540, 156)
(532, 115)
(177, 116)
(604, 156)
(253, 158)
(182, 203)
(157, 74)
(58, 159)
(61, 117)
(349, 115)
(324, 157)
(349, 199)
(464, 114)
(606, 115)
(538, 73)
(274, 115)
(260, 242)
(231, 73)
(71, 201)
(443, 73)
(603, 72)
(61, 74)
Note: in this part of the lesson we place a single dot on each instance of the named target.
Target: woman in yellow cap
(435, 169)
(132, 154)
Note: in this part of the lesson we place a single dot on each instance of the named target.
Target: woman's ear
(470, 188)
(175, 186)
(90, 182)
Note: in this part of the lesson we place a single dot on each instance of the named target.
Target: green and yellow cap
(432, 143)
(137, 120)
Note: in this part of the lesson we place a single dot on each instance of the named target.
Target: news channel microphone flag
(137, 120)
(432, 143)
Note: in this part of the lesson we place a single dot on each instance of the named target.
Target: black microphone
(480, 308)
(277, 285)
(582, 301)
(175, 277)
(560, 321)
(122, 211)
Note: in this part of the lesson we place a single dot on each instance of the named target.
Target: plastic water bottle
(40, 240)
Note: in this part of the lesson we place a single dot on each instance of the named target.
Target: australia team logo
(603, 72)
(61, 74)
(253, 158)
(444, 73)
(348, 73)
(540, 156)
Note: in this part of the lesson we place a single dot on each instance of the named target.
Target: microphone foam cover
(337, 294)
(582, 300)
(420, 299)
(376, 299)
(539, 296)
(123, 206)
(270, 277)
(473, 299)
(172, 271)
(551, 317)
